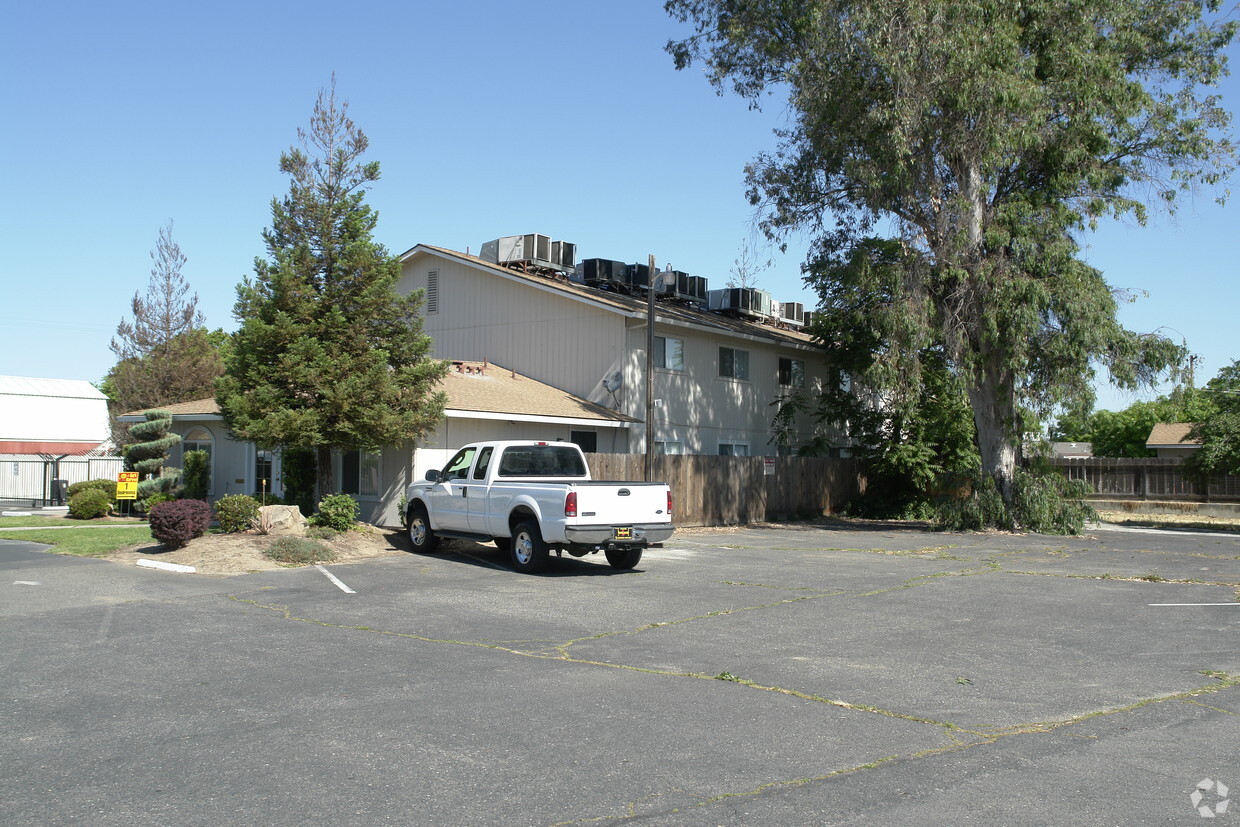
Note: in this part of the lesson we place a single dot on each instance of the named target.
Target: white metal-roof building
(51, 417)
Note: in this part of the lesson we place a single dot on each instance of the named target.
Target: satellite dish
(613, 381)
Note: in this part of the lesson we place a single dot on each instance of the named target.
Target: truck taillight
(669, 502)
(570, 504)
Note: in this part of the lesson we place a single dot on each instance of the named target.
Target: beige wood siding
(548, 337)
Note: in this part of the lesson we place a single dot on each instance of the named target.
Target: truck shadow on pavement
(486, 555)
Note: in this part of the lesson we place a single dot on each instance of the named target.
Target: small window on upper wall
(669, 353)
(733, 364)
(733, 449)
(792, 372)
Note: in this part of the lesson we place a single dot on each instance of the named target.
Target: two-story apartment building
(716, 375)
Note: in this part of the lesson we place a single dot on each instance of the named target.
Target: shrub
(336, 511)
(145, 505)
(321, 532)
(89, 503)
(1045, 502)
(106, 486)
(268, 499)
(236, 512)
(197, 474)
(299, 551)
(176, 523)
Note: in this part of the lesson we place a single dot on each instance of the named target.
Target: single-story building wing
(485, 402)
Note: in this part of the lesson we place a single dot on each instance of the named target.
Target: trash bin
(60, 491)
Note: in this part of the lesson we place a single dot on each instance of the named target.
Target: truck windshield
(542, 461)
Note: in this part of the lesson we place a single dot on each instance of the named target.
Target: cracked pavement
(771, 675)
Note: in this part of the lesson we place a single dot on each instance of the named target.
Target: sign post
(127, 485)
(127, 488)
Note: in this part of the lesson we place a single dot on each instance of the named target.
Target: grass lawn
(22, 522)
(84, 542)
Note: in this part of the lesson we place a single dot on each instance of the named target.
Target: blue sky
(488, 118)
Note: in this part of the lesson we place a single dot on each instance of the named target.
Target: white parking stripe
(1194, 604)
(334, 579)
(26, 583)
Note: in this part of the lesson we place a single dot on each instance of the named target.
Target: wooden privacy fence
(1148, 479)
(711, 490)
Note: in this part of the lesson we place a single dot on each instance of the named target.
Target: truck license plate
(622, 534)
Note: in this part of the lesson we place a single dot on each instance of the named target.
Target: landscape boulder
(281, 519)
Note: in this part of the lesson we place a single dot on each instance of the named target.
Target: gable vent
(432, 291)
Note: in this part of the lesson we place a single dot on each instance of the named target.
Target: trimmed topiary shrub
(337, 511)
(236, 512)
(299, 551)
(197, 474)
(89, 503)
(176, 523)
(106, 486)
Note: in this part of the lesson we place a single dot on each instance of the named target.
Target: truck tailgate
(621, 503)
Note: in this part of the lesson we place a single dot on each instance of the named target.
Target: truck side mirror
(433, 475)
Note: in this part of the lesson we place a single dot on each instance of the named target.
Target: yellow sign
(127, 485)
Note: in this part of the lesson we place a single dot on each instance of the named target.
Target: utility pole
(650, 371)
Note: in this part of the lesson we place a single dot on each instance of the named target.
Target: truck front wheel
(529, 552)
(421, 537)
(624, 558)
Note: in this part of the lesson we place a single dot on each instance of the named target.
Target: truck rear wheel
(528, 551)
(624, 558)
(421, 537)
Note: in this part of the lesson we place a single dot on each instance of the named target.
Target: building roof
(1072, 450)
(1172, 435)
(51, 416)
(475, 390)
(668, 312)
(55, 388)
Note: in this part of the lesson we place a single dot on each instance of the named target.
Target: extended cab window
(484, 459)
(458, 468)
(542, 461)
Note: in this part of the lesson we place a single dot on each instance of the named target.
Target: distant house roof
(51, 416)
(1172, 435)
(1072, 450)
(475, 390)
(633, 307)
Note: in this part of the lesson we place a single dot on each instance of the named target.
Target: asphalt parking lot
(803, 675)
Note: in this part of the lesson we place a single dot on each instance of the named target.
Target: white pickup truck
(532, 498)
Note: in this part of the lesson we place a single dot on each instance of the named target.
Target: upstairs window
(669, 353)
(792, 373)
(733, 364)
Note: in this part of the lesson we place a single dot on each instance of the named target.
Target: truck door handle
(623, 492)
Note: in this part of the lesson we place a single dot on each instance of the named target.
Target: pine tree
(164, 354)
(328, 355)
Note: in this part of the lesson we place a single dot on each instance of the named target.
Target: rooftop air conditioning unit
(792, 312)
(744, 301)
(531, 248)
(638, 276)
(594, 270)
(564, 253)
